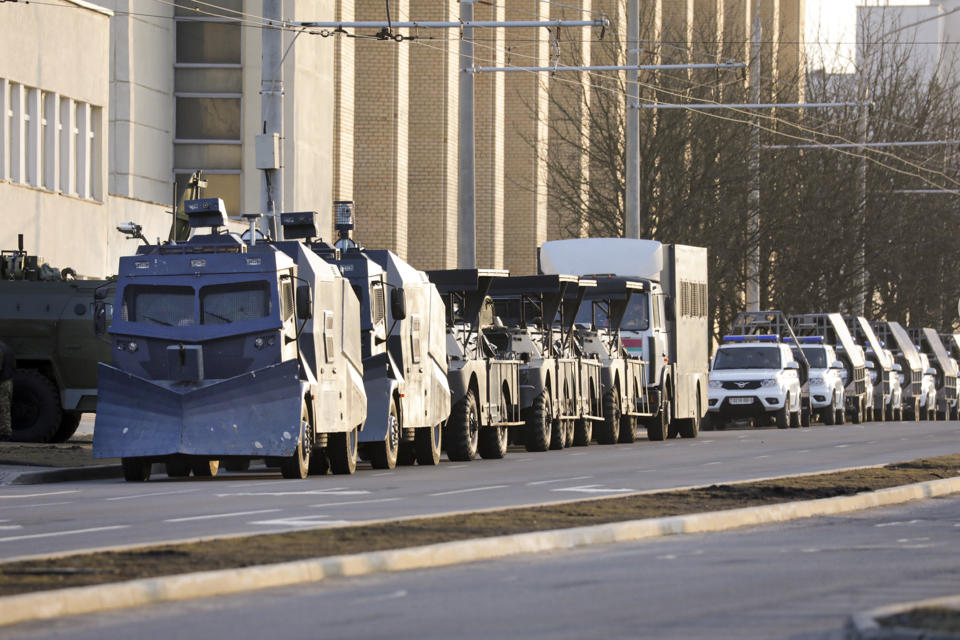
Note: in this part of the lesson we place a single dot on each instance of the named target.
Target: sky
(832, 23)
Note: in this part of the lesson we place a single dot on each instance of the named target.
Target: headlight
(716, 384)
(132, 346)
(258, 343)
(769, 382)
(816, 380)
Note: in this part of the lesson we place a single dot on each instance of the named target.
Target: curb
(80, 600)
(66, 474)
(864, 625)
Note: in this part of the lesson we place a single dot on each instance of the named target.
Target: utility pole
(631, 212)
(467, 201)
(860, 263)
(753, 198)
(269, 144)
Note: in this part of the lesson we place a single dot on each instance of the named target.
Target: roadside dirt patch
(929, 619)
(74, 453)
(96, 568)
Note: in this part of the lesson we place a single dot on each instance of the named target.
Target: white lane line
(38, 495)
(396, 595)
(333, 491)
(349, 502)
(54, 534)
(520, 459)
(302, 521)
(897, 523)
(9, 526)
(647, 470)
(760, 457)
(592, 488)
(457, 466)
(579, 453)
(841, 446)
(804, 451)
(150, 495)
(213, 516)
(538, 482)
(385, 473)
(710, 464)
(33, 504)
(470, 490)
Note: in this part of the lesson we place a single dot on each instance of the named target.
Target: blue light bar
(753, 338)
(734, 338)
(811, 339)
(768, 338)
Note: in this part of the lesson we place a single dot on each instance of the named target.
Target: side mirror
(793, 364)
(304, 302)
(836, 364)
(398, 304)
(99, 317)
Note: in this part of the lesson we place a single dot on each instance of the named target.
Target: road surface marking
(579, 453)
(385, 473)
(804, 451)
(54, 534)
(340, 504)
(519, 459)
(841, 446)
(710, 464)
(38, 495)
(760, 457)
(150, 495)
(533, 484)
(457, 466)
(334, 491)
(221, 515)
(592, 488)
(400, 593)
(470, 490)
(669, 556)
(647, 470)
(302, 521)
(33, 504)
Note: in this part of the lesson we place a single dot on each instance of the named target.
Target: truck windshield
(635, 318)
(747, 358)
(816, 356)
(236, 302)
(151, 304)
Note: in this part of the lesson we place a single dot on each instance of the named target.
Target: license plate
(741, 400)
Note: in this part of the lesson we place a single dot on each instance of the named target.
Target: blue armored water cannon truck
(226, 348)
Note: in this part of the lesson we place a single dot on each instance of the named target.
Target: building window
(50, 141)
(208, 85)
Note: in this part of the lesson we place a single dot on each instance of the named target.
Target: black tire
(658, 427)
(136, 469)
(569, 431)
(539, 423)
(806, 416)
(889, 413)
(406, 454)
(841, 415)
(383, 455)
(69, 422)
(35, 413)
(208, 467)
(463, 429)
(856, 416)
(690, 427)
(608, 430)
(342, 452)
(628, 430)
(782, 416)
(235, 463)
(582, 432)
(428, 441)
(879, 415)
(178, 467)
(492, 442)
(953, 412)
(558, 438)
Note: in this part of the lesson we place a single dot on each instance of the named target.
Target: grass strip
(170, 559)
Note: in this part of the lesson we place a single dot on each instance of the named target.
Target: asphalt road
(62, 517)
(798, 580)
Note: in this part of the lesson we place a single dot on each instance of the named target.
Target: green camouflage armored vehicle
(56, 325)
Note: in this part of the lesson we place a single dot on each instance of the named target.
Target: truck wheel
(463, 429)
(234, 463)
(658, 427)
(690, 427)
(628, 430)
(35, 413)
(828, 416)
(608, 431)
(783, 415)
(492, 442)
(136, 469)
(69, 423)
(427, 442)
(856, 416)
(177, 467)
(342, 451)
(569, 428)
(539, 423)
(208, 467)
(582, 432)
(557, 439)
(406, 453)
(841, 415)
(383, 455)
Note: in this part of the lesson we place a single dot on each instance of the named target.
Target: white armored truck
(666, 325)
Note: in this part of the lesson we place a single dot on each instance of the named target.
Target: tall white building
(107, 110)
(926, 32)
